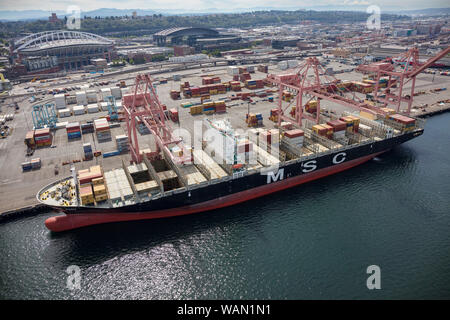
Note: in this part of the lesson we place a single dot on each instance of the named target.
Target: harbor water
(314, 241)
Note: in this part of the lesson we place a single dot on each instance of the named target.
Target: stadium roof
(185, 31)
(60, 38)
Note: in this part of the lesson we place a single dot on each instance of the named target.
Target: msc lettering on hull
(309, 166)
(339, 157)
(271, 177)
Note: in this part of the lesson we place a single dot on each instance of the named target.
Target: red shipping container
(274, 112)
(245, 147)
(337, 125)
(221, 108)
(88, 178)
(42, 132)
(265, 137)
(206, 80)
(402, 119)
(294, 133)
(102, 128)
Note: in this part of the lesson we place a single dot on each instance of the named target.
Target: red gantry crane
(400, 70)
(143, 105)
(310, 81)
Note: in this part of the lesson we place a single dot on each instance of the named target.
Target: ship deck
(133, 184)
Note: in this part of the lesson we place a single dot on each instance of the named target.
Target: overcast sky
(87, 5)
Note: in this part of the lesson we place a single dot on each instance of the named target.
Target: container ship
(261, 162)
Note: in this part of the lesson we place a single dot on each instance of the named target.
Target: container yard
(92, 116)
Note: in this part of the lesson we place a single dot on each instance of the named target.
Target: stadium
(72, 49)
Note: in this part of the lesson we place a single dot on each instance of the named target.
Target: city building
(183, 50)
(53, 18)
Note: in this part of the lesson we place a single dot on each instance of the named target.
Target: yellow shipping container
(98, 181)
(102, 197)
(328, 127)
(87, 199)
(354, 119)
(388, 111)
(208, 104)
(313, 103)
(99, 189)
(196, 110)
(316, 128)
(368, 115)
(97, 168)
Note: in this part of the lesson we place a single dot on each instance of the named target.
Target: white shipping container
(121, 137)
(114, 195)
(64, 113)
(61, 125)
(71, 100)
(124, 91)
(91, 93)
(106, 92)
(116, 93)
(92, 108)
(295, 141)
(78, 110)
(81, 98)
(91, 96)
(233, 70)
(127, 193)
(364, 129)
(60, 101)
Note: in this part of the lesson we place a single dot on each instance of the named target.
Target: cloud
(86, 5)
(356, 2)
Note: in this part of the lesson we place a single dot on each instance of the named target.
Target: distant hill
(15, 15)
(428, 12)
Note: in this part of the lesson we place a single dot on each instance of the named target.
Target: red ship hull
(73, 221)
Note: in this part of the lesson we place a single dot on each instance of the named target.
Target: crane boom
(430, 62)
(393, 93)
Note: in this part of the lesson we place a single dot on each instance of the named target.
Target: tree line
(126, 26)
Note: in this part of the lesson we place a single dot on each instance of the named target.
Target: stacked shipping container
(118, 187)
(122, 143)
(102, 129)
(73, 130)
(87, 150)
(254, 119)
(42, 137)
(294, 137)
(89, 178)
